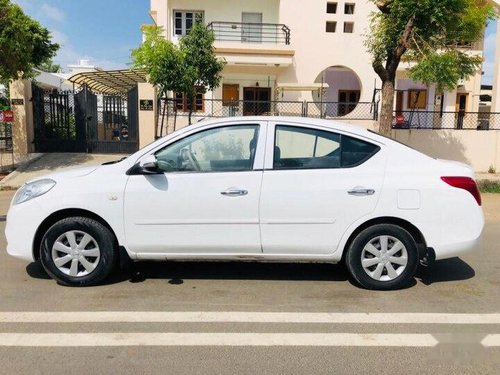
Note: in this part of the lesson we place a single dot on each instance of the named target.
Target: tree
(427, 33)
(188, 68)
(201, 67)
(24, 43)
(50, 67)
(161, 60)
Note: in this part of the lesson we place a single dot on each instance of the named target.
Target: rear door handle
(358, 191)
(234, 192)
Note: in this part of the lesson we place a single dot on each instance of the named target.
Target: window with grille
(184, 20)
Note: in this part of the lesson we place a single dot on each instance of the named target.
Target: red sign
(8, 116)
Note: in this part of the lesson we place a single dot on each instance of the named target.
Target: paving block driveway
(244, 334)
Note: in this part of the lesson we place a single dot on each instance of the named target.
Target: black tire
(355, 253)
(101, 235)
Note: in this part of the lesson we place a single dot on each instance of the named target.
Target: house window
(348, 27)
(349, 8)
(331, 8)
(183, 102)
(331, 26)
(184, 20)
(417, 99)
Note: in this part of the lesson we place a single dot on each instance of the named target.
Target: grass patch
(489, 186)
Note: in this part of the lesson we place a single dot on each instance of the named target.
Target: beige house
(292, 50)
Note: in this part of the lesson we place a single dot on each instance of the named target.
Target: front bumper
(23, 221)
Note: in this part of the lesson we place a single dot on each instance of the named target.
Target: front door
(205, 202)
(256, 101)
(317, 184)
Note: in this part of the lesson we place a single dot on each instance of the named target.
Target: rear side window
(303, 148)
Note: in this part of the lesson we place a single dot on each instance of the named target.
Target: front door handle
(358, 191)
(234, 192)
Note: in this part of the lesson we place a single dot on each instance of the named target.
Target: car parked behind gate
(253, 188)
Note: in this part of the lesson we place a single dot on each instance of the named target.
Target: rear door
(314, 186)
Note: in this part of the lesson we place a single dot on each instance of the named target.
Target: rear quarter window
(307, 148)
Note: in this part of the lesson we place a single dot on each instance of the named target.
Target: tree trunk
(386, 111)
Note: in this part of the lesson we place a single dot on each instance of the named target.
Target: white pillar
(495, 99)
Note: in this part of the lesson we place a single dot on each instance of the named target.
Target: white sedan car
(253, 189)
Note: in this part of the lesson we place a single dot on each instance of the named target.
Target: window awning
(110, 82)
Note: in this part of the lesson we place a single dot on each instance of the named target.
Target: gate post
(23, 129)
(146, 123)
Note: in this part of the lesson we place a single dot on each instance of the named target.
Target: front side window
(184, 20)
(226, 149)
(303, 148)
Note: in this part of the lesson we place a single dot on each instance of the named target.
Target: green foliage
(489, 186)
(445, 69)
(49, 67)
(160, 58)
(427, 33)
(187, 68)
(24, 43)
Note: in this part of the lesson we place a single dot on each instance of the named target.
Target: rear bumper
(455, 249)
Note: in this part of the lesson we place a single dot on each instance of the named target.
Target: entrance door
(256, 100)
(461, 103)
(205, 202)
(251, 30)
(348, 99)
(399, 102)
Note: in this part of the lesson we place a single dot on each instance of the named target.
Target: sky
(104, 31)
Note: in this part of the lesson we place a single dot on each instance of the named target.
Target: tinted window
(302, 148)
(230, 148)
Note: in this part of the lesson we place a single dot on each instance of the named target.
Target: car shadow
(36, 271)
(453, 269)
(175, 273)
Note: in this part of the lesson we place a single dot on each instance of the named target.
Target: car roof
(332, 124)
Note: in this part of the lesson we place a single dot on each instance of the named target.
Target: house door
(256, 100)
(251, 30)
(461, 103)
(399, 103)
(348, 99)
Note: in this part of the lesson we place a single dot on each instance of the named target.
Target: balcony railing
(250, 32)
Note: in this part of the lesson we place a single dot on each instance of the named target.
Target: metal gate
(85, 121)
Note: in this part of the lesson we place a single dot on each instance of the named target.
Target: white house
(295, 50)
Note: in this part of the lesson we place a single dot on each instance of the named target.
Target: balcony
(268, 33)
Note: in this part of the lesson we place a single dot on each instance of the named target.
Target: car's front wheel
(383, 257)
(78, 251)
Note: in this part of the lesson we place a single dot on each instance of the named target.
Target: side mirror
(147, 165)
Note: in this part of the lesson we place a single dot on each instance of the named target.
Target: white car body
(287, 215)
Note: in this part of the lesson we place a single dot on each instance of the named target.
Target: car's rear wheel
(78, 251)
(383, 257)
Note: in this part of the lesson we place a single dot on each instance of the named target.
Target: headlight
(33, 189)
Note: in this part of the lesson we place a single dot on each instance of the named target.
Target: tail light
(465, 183)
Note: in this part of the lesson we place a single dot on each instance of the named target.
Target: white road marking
(215, 339)
(491, 340)
(245, 317)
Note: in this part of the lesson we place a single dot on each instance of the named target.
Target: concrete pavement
(50, 163)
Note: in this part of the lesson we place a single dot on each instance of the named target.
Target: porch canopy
(319, 87)
(110, 82)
